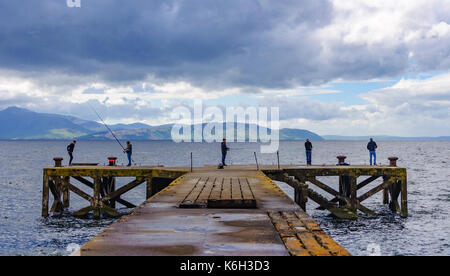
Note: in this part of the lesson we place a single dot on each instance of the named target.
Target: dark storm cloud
(252, 43)
(226, 42)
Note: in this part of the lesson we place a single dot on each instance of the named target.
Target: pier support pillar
(108, 186)
(66, 191)
(55, 185)
(300, 190)
(385, 191)
(45, 195)
(303, 196)
(394, 192)
(297, 194)
(353, 194)
(112, 189)
(344, 188)
(96, 199)
(149, 188)
(404, 197)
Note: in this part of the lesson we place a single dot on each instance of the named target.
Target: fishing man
(372, 146)
(225, 149)
(308, 149)
(70, 149)
(129, 152)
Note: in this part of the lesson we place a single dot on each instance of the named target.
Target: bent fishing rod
(110, 130)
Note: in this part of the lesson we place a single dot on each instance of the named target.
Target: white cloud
(276, 52)
(411, 107)
(415, 97)
(386, 38)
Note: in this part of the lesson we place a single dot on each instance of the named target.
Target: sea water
(425, 232)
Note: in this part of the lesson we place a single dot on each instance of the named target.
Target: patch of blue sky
(350, 91)
(423, 76)
(234, 100)
(157, 103)
(93, 91)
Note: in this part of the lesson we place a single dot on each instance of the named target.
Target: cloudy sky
(345, 67)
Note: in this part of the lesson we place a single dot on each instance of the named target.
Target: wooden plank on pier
(193, 195)
(236, 193)
(226, 190)
(219, 192)
(295, 247)
(217, 188)
(236, 189)
(246, 190)
(303, 236)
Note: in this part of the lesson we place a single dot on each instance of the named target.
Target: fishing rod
(110, 130)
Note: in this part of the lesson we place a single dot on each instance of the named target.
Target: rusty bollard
(341, 159)
(393, 161)
(112, 161)
(58, 161)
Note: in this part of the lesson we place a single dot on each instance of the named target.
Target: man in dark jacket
(308, 148)
(372, 146)
(70, 149)
(129, 152)
(225, 149)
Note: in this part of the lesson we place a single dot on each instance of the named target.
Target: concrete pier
(206, 211)
(275, 225)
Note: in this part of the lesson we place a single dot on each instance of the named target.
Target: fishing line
(110, 130)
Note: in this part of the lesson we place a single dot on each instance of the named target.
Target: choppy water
(425, 232)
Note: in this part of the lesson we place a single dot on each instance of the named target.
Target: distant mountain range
(22, 124)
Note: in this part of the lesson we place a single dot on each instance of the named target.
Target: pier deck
(274, 226)
(238, 210)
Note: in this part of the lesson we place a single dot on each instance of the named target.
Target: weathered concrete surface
(192, 232)
(159, 227)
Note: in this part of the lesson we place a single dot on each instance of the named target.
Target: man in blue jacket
(372, 146)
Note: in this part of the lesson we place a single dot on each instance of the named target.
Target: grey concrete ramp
(161, 228)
